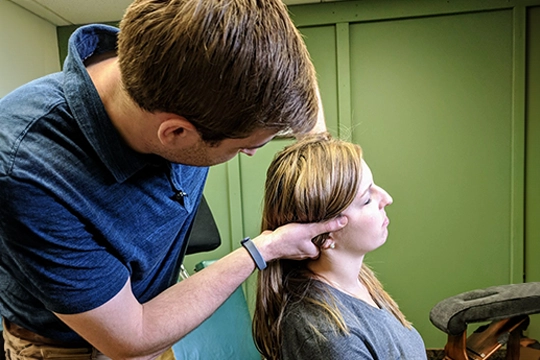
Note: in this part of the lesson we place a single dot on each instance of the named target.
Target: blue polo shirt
(80, 211)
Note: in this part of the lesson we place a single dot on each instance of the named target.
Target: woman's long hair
(312, 180)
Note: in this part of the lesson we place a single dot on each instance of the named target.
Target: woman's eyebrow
(367, 190)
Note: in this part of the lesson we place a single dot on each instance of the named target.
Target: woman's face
(367, 228)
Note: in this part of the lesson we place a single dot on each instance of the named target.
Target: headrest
(451, 315)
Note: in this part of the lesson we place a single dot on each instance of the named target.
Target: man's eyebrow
(258, 146)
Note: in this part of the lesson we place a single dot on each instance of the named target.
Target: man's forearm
(122, 328)
(194, 299)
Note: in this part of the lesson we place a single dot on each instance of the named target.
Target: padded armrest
(451, 315)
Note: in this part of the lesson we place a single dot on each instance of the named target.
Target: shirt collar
(86, 105)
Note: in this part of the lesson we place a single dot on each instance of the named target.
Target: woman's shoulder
(303, 312)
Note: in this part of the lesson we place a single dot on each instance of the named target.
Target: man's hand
(293, 241)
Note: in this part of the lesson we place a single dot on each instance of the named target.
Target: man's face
(205, 154)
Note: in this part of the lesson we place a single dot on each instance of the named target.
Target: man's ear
(176, 129)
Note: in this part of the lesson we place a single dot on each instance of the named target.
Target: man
(102, 167)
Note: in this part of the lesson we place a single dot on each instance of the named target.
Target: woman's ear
(328, 244)
(176, 129)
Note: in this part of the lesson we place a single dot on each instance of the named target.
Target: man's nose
(249, 152)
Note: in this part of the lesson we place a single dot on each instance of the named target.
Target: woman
(332, 307)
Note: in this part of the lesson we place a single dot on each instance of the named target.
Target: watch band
(254, 253)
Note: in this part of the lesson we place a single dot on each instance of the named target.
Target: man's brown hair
(228, 66)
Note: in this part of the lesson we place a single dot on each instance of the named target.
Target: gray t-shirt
(375, 334)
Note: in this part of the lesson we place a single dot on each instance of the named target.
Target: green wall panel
(321, 42)
(532, 198)
(253, 175)
(432, 108)
(532, 179)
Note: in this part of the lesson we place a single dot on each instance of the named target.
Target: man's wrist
(254, 252)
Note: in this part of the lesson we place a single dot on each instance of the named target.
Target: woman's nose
(386, 198)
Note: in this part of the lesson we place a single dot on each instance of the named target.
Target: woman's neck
(343, 276)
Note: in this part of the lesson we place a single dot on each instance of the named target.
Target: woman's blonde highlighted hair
(312, 180)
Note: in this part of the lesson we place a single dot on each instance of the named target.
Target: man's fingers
(333, 225)
(293, 241)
